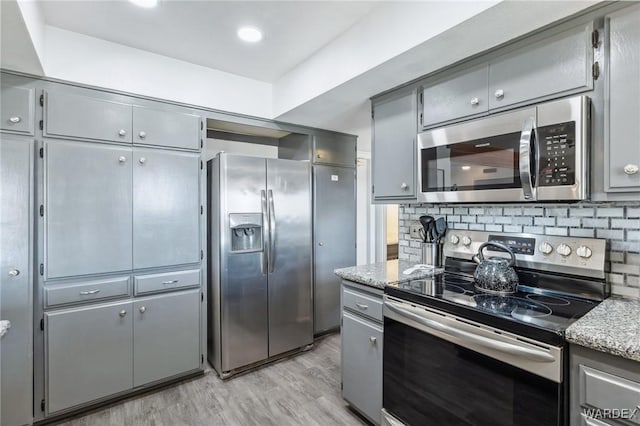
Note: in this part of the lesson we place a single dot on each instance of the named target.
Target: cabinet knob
(475, 101)
(321, 244)
(122, 159)
(373, 340)
(142, 135)
(142, 160)
(499, 94)
(14, 272)
(142, 309)
(631, 169)
(404, 186)
(122, 313)
(15, 119)
(122, 132)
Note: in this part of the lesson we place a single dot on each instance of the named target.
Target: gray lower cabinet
(88, 208)
(622, 108)
(17, 108)
(605, 389)
(166, 209)
(165, 128)
(394, 147)
(362, 347)
(88, 354)
(166, 335)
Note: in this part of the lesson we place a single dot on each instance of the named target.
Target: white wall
(79, 58)
(17, 49)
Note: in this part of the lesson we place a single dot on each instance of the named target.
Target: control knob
(466, 240)
(545, 248)
(584, 252)
(454, 239)
(564, 250)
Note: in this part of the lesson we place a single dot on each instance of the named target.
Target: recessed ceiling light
(145, 3)
(249, 34)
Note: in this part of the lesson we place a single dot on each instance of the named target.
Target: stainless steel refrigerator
(259, 260)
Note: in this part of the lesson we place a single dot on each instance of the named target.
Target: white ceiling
(204, 32)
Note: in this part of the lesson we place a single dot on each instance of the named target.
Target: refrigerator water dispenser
(246, 232)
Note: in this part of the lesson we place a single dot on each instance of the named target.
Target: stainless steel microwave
(537, 153)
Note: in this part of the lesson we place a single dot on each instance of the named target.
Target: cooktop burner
(548, 300)
(514, 306)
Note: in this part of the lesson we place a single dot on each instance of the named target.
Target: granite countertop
(382, 273)
(612, 327)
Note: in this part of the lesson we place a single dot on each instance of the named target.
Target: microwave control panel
(557, 146)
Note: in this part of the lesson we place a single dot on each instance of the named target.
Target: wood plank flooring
(302, 390)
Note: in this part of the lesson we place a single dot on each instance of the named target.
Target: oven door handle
(509, 348)
(526, 174)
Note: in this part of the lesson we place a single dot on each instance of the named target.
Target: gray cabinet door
(165, 128)
(334, 149)
(334, 239)
(16, 374)
(622, 109)
(362, 365)
(84, 117)
(166, 211)
(166, 336)
(394, 146)
(88, 354)
(88, 208)
(17, 108)
(552, 66)
(461, 96)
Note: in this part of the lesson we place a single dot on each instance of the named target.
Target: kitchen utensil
(495, 275)
(441, 228)
(426, 222)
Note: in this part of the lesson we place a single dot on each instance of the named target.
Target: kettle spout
(475, 259)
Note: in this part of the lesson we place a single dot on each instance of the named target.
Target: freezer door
(290, 307)
(335, 239)
(243, 278)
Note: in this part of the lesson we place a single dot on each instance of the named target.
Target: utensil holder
(432, 254)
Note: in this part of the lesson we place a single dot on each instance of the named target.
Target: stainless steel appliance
(259, 260)
(537, 153)
(454, 355)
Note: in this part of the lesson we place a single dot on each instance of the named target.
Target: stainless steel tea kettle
(495, 275)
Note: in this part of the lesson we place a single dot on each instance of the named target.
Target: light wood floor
(302, 390)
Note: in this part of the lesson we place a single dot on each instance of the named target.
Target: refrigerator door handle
(272, 233)
(264, 260)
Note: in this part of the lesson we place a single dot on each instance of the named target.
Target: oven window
(429, 381)
(488, 163)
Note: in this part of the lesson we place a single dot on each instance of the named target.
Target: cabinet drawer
(167, 281)
(607, 391)
(17, 109)
(84, 117)
(367, 305)
(165, 128)
(86, 291)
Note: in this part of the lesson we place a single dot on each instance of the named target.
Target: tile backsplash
(618, 223)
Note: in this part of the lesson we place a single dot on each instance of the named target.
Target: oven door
(443, 370)
(490, 159)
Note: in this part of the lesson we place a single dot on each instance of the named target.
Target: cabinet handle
(122, 159)
(362, 306)
(122, 132)
(15, 119)
(14, 273)
(321, 244)
(373, 340)
(475, 101)
(169, 282)
(631, 169)
(142, 309)
(142, 135)
(122, 313)
(404, 186)
(142, 160)
(499, 94)
(85, 293)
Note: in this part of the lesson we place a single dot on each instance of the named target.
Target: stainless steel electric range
(454, 355)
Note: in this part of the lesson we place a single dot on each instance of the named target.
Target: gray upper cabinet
(622, 108)
(166, 336)
(88, 208)
(166, 211)
(88, 354)
(464, 95)
(165, 128)
(394, 145)
(552, 66)
(334, 149)
(84, 117)
(17, 109)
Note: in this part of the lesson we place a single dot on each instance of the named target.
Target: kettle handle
(512, 261)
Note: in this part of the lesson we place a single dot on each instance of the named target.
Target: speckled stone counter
(612, 327)
(380, 274)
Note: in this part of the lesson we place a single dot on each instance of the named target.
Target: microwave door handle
(526, 178)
